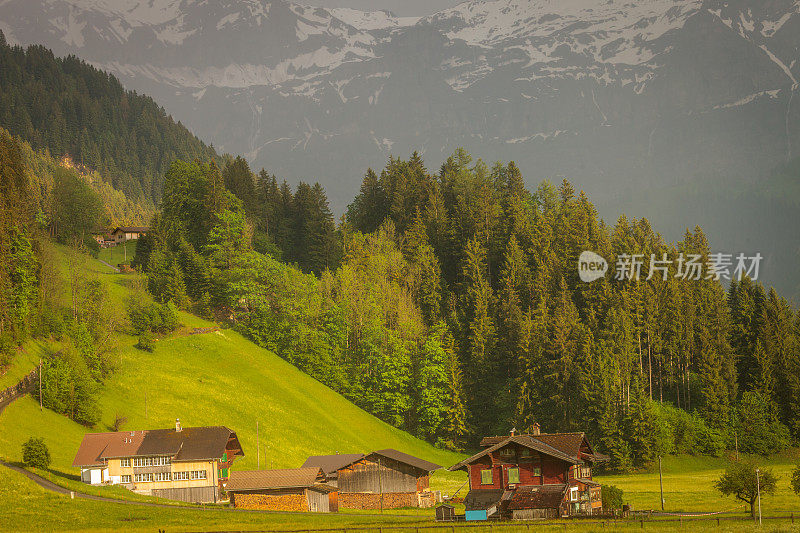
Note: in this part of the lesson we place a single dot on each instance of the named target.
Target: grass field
(688, 485)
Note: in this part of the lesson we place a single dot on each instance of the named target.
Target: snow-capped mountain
(619, 95)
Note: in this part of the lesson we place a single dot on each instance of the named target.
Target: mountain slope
(216, 378)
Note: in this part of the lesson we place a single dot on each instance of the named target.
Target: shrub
(35, 453)
(612, 497)
(794, 483)
(153, 317)
(146, 341)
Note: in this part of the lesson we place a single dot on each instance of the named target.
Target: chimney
(536, 429)
(513, 431)
(177, 425)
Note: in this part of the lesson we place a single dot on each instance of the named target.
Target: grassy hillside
(217, 378)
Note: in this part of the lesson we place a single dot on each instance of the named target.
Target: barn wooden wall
(367, 476)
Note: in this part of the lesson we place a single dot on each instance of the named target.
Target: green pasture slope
(216, 378)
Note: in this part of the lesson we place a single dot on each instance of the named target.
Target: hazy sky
(406, 8)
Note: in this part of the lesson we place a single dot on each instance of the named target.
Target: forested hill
(69, 107)
(450, 304)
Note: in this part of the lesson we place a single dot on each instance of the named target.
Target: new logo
(591, 266)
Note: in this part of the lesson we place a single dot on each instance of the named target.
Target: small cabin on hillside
(298, 490)
(384, 479)
(535, 475)
(127, 233)
(186, 464)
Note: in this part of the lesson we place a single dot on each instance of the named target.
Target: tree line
(449, 304)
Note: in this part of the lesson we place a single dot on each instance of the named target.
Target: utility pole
(661, 482)
(758, 490)
(41, 408)
(258, 450)
(380, 482)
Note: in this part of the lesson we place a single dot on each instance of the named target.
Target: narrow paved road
(109, 265)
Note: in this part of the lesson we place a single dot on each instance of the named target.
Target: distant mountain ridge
(624, 98)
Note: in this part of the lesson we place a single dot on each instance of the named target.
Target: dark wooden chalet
(384, 479)
(535, 475)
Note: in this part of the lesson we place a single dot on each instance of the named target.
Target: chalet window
(125, 463)
(526, 453)
(513, 475)
(486, 477)
(181, 476)
(143, 478)
(585, 472)
(125, 479)
(573, 494)
(507, 452)
(162, 476)
(537, 469)
(198, 474)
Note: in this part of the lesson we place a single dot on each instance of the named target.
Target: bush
(794, 483)
(612, 497)
(153, 317)
(146, 341)
(35, 453)
(681, 432)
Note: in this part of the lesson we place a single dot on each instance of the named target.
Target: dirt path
(115, 269)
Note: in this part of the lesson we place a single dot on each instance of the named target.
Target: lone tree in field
(795, 481)
(739, 480)
(35, 453)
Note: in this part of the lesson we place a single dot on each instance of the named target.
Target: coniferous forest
(66, 106)
(446, 301)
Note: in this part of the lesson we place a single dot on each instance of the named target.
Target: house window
(513, 475)
(525, 453)
(198, 474)
(125, 463)
(125, 479)
(573, 494)
(181, 476)
(507, 452)
(143, 478)
(162, 476)
(486, 477)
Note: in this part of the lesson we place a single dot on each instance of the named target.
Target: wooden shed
(445, 513)
(384, 479)
(299, 489)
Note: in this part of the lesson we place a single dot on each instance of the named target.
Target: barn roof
(416, 462)
(330, 464)
(537, 497)
(189, 444)
(524, 440)
(132, 229)
(294, 478)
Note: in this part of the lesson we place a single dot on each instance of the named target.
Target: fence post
(642, 523)
(717, 521)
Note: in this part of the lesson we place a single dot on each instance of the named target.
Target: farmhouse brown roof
(295, 478)
(189, 444)
(132, 229)
(416, 462)
(529, 441)
(330, 464)
(537, 497)
(567, 443)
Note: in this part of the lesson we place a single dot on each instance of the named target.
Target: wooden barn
(384, 479)
(536, 475)
(298, 489)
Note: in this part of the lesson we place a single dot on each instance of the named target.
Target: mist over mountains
(680, 111)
